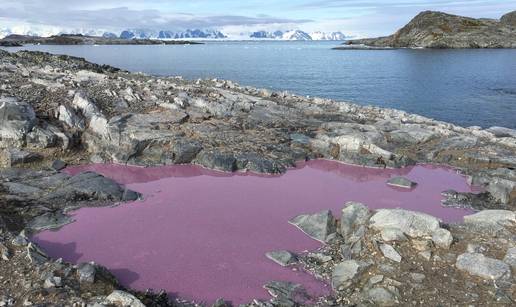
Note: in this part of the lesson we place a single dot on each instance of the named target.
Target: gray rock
(21, 239)
(320, 257)
(59, 165)
(392, 234)
(283, 257)
(502, 132)
(413, 224)
(353, 215)
(401, 182)
(381, 297)
(442, 238)
(16, 120)
(493, 220)
(344, 272)
(502, 189)
(4, 252)
(221, 303)
(482, 266)
(427, 255)
(510, 258)
(417, 277)
(185, 151)
(87, 272)
(49, 220)
(124, 299)
(52, 282)
(390, 253)
(41, 138)
(287, 293)
(319, 226)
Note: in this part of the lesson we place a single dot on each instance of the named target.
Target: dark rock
(50, 220)
(401, 182)
(258, 164)
(287, 293)
(59, 165)
(217, 160)
(283, 258)
(477, 201)
(13, 157)
(16, 120)
(185, 151)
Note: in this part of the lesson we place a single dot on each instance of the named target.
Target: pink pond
(202, 235)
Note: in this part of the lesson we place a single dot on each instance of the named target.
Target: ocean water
(202, 234)
(465, 87)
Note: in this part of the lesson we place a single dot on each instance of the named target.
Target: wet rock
(492, 220)
(510, 258)
(413, 224)
(123, 299)
(401, 182)
(12, 157)
(283, 258)
(390, 253)
(442, 238)
(482, 266)
(59, 165)
(49, 220)
(353, 215)
(217, 160)
(381, 297)
(344, 273)
(16, 120)
(392, 234)
(287, 293)
(319, 226)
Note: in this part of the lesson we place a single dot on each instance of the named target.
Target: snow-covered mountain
(164, 34)
(297, 35)
(330, 36)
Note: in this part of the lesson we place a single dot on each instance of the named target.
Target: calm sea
(465, 87)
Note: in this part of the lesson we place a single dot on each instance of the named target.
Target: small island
(439, 30)
(15, 40)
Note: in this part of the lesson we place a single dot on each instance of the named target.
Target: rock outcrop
(431, 29)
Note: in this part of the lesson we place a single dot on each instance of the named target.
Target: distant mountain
(332, 36)
(431, 29)
(298, 35)
(164, 34)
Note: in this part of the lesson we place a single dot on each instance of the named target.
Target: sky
(357, 18)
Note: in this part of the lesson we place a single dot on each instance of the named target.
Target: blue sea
(465, 87)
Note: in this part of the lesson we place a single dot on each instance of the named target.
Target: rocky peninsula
(59, 110)
(439, 30)
(15, 40)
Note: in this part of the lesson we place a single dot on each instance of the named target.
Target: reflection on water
(202, 234)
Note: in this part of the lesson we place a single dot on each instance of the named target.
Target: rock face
(440, 30)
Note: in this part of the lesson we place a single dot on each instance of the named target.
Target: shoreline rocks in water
(66, 108)
(439, 30)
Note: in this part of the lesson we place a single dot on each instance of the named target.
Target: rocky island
(439, 30)
(15, 40)
(61, 110)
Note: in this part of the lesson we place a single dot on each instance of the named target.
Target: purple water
(202, 234)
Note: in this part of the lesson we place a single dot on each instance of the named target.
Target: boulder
(503, 190)
(17, 118)
(217, 160)
(381, 297)
(68, 116)
(41, 138)
(185, 151)
(493, 220)
(353, 215)
(442, 238)
(123, 299)
(482, 266)
(59, 165)
(413, 224)
(283, 257)
(392, 234)
(86, 272)
(344, 272)
(319, 226)
(12, 157)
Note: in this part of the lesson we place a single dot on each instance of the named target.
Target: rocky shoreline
(67, 109)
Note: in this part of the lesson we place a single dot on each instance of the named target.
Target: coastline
(83, 112)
